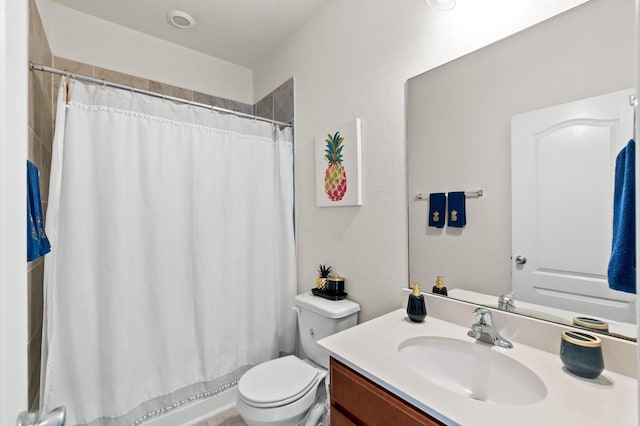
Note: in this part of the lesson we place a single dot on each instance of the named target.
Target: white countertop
(371, 349)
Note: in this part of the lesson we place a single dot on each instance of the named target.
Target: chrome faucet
(507, 302)
(483, 330)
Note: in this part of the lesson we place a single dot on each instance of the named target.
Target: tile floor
(226, 418)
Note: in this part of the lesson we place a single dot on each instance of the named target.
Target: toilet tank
(319, 318)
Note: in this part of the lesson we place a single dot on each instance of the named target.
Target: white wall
(353, 60)
(84, 38)
(13, 245)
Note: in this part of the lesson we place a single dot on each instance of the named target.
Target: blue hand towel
(37, 241)
(622, 265)
(457, 215)
(437, 203)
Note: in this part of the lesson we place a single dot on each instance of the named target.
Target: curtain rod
(86, 78)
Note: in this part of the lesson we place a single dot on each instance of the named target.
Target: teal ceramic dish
(581, 354)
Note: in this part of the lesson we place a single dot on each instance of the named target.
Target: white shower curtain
(173, 264)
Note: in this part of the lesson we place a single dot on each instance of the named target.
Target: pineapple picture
(335, 177)
(338, 157)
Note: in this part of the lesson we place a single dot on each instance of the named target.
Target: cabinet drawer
(365, 403)
(339, 419)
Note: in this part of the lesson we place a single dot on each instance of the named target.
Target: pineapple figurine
(335, 178)
(323, 274)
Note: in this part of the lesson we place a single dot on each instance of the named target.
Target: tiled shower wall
(40, 138)
(277, 105)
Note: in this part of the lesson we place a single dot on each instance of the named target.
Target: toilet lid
(277, 382)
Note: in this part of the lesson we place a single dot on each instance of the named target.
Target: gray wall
(459, 131)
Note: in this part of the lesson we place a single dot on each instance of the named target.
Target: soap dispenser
(439, 288)
(416, 308)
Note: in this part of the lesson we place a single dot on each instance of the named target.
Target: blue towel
(437, 212)
(622, 265)
(37, 241)
(457, 215)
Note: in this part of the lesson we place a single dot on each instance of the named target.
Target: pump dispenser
(439, 288)
(416, 308)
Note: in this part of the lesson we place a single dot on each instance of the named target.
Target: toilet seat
(278, 382)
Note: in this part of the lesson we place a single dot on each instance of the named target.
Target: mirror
(459, 139)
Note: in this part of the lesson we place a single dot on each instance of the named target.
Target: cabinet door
(357, 400)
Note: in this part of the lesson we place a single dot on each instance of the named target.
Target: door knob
(521, 260)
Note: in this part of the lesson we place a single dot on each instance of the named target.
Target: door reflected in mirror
(562, 178)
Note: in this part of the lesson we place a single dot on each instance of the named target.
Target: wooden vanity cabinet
(356, 400)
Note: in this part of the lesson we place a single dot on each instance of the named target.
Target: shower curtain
(173, 263)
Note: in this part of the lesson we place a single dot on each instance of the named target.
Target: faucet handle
(506, 302)
(484, 315)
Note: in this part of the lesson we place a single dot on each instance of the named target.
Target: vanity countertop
(371, 349)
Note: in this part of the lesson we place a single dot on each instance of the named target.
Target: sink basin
(474, 370)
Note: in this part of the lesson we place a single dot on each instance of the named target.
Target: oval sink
(471, 369)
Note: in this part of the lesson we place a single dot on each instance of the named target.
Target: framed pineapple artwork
(338, 166)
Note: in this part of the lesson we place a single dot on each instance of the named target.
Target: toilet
(282, 391)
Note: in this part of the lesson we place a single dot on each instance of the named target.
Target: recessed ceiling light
(181, 19)
(441, 4)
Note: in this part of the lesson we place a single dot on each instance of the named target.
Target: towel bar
(467, 194)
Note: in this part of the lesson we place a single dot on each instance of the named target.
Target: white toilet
(281, 392)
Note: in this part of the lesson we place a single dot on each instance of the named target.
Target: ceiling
(239, 31)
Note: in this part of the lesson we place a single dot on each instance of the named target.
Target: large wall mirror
(459, 134)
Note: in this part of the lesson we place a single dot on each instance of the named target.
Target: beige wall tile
(264, 107)
(35, 149)
(169, 90)
(222, 103)
(33, 364)
(203, 98)
(35, 34)
(283, 102)
(121, 78)
(35, 278)
(232, 105)
(32, 99)
(55, 85)
(46, 132)
(39, 108)
(72, 66)
(46, 80)
(45, 172)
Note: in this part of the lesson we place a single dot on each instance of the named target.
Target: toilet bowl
(282, 391)
(278, 392)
